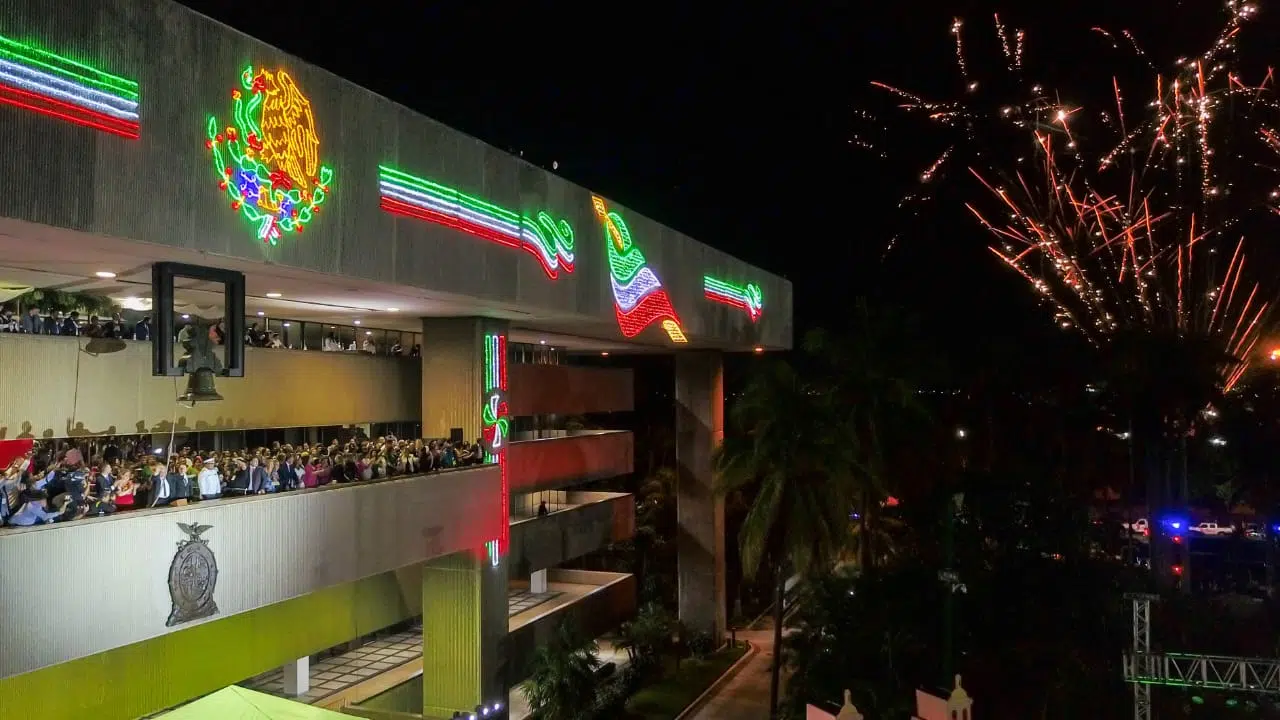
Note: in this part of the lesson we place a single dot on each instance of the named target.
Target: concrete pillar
(297, 676)
(538, 581)
(453, 374)
(699, 511)
(464, 627)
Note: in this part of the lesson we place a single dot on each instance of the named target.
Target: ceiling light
(273, 295)
(286, 324)
(542, 342)
(759, 349)
(106, 274)
(604, 354)
(260, 313)
(393, 309)
(368, 332)
(553, 348)
(356, 322)
(186, 317)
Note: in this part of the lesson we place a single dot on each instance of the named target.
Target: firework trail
(1124, 216)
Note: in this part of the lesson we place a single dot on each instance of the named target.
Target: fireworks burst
(1122, 220)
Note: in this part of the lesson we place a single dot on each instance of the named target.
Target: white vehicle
(1212, 528)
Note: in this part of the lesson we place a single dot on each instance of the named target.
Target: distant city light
(961, 433)
(1217, 441)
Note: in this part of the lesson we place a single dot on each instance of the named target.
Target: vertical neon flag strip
(638, 297)
(546, 238)
(747, 298)
(59, 87)
(496, 431)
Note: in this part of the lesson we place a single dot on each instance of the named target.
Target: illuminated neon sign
(638, 298)
(268, 159)
(496, 432)
(548, 239)
(59, 87)
(747, 298)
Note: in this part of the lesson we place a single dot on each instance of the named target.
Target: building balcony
(267, 548)
(569, 390)
(578, 523)
(558, 462)
(116, 394)
(597, 602)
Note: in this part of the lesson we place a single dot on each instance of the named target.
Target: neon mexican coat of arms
(193, 575)
(267, 158)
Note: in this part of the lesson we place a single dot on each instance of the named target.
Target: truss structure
(1209, 672)
(1141, 650)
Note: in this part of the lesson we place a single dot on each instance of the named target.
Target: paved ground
(746, 696)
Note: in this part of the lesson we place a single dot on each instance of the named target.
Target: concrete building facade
(141, 132)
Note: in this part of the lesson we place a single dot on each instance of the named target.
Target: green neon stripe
(37, 58)
(447, 193)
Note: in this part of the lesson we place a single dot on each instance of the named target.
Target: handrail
(12, 530)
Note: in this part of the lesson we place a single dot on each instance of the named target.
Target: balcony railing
(569, 460)
(587, 522)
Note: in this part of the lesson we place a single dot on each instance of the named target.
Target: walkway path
(746, 695)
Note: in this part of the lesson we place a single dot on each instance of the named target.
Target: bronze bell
(200, 387)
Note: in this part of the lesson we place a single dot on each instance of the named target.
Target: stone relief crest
(193, 574)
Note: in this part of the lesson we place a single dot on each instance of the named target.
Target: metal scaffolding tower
(1135, 663)
(1144, 668)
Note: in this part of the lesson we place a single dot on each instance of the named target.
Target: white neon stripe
(427, 202)
(431, 202)
(728, 295)
(437, 197)
(630, 295)
(45, 84)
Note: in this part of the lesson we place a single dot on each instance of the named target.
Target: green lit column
(464, 626)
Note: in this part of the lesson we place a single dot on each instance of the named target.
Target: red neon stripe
(502, 460)
(546, 267)
(728, 300)
(400, 207)
(44, 105)
(653, 308)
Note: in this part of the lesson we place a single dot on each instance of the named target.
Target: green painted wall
(451, 620)
(155, 674)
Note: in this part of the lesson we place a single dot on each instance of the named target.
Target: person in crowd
(124, 489)
(32, 323)
(32, 511)
(142, 330)
(71, 324)
(209, 481)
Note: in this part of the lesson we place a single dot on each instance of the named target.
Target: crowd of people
(59, 480)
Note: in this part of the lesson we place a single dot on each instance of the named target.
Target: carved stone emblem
(193, 574)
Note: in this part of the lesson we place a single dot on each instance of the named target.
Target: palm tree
(1162, 380)
(868, 374)
(562, 676)
(787, 447)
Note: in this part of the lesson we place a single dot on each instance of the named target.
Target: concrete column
(700, 512)
(297, 676)
(464, 628)
(538, 582)
(453, 373)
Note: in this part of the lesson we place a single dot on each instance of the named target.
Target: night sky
(732, 123)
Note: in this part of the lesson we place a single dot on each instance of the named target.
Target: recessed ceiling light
(368, 332)
(356, 322)
(553, 348)
(260, 313)
(393, 309)
(542, 342)
(759, 349)
(107, 274)
(604, 354)
(274, 295)
(286, 324)
(186, 317)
